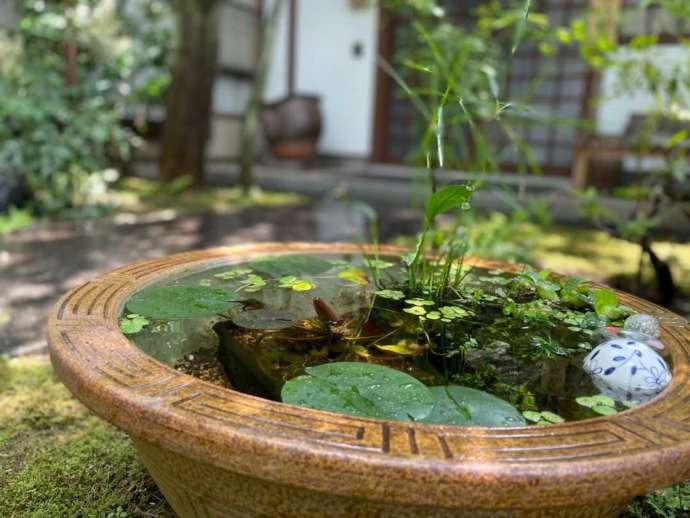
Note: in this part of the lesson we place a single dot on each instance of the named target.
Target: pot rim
(640, 449)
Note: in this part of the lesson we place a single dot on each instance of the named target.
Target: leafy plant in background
(455, 75)
(70, 77)
(661, 194)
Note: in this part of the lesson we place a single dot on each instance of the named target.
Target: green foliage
(456, 76)
(543, 418)
(15, 219)
(63, 127)
(175, 302)
(58, 459)
(133, 323)
(600, 404)
(448, 198)
(295, 283)
(369, 390)
(360, 389)
(465, 406)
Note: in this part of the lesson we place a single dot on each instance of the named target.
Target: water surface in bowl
(284, 317)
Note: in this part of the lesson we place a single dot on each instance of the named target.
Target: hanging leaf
(445, 199)
(520, 27)
(265, 319)
(464, 406)
(360, 389)
(282, 265)
(174, 302)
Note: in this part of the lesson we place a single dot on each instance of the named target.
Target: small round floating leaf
(378, 264)
(531, 415)
(466, 406)
(390, 294)
(360, 389)
(415, 310)
(264, 319)
(604, 410)
(175, 302)
(133, 323)
(552, 418)
(420, 302)
(282, 265)
(354, 275)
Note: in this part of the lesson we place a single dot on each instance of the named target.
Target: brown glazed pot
(218, 452)
(292, 126)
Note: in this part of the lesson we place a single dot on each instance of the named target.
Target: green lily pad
(282, 265)
(466, 406)
(133, 323)
(360, 389)
(264, 319)
(174, 302)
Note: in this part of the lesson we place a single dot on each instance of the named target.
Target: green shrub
(62, 128)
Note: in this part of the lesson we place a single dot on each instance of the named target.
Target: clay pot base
(218, 452)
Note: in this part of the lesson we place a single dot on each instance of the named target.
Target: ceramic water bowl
(218, 452)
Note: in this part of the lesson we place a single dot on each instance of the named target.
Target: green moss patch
(58, 459)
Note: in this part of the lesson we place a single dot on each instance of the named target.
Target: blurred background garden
(131, 129)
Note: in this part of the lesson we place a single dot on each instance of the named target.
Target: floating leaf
(464, 406)
(355, 275)
(360, 389)
(531, 415)
(453, 312)
(592, 401)
(445, 199)
(233, 274)
(391, 294)
(420, 302)
(604, 410)
(378, 264)
(264, 319)
(252, 283)
(551, 417)
(542, 418)
(282, 265)
(173, 302)
(133, 323)
(415, 310)
(294, 283)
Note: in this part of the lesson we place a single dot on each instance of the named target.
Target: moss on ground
(140, 196)
(59, 460)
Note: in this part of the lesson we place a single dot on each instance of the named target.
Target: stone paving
(38, 265)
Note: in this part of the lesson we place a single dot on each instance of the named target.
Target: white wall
(614, 109)
(326, 32)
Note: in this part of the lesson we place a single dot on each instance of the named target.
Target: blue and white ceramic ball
(625, 369)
